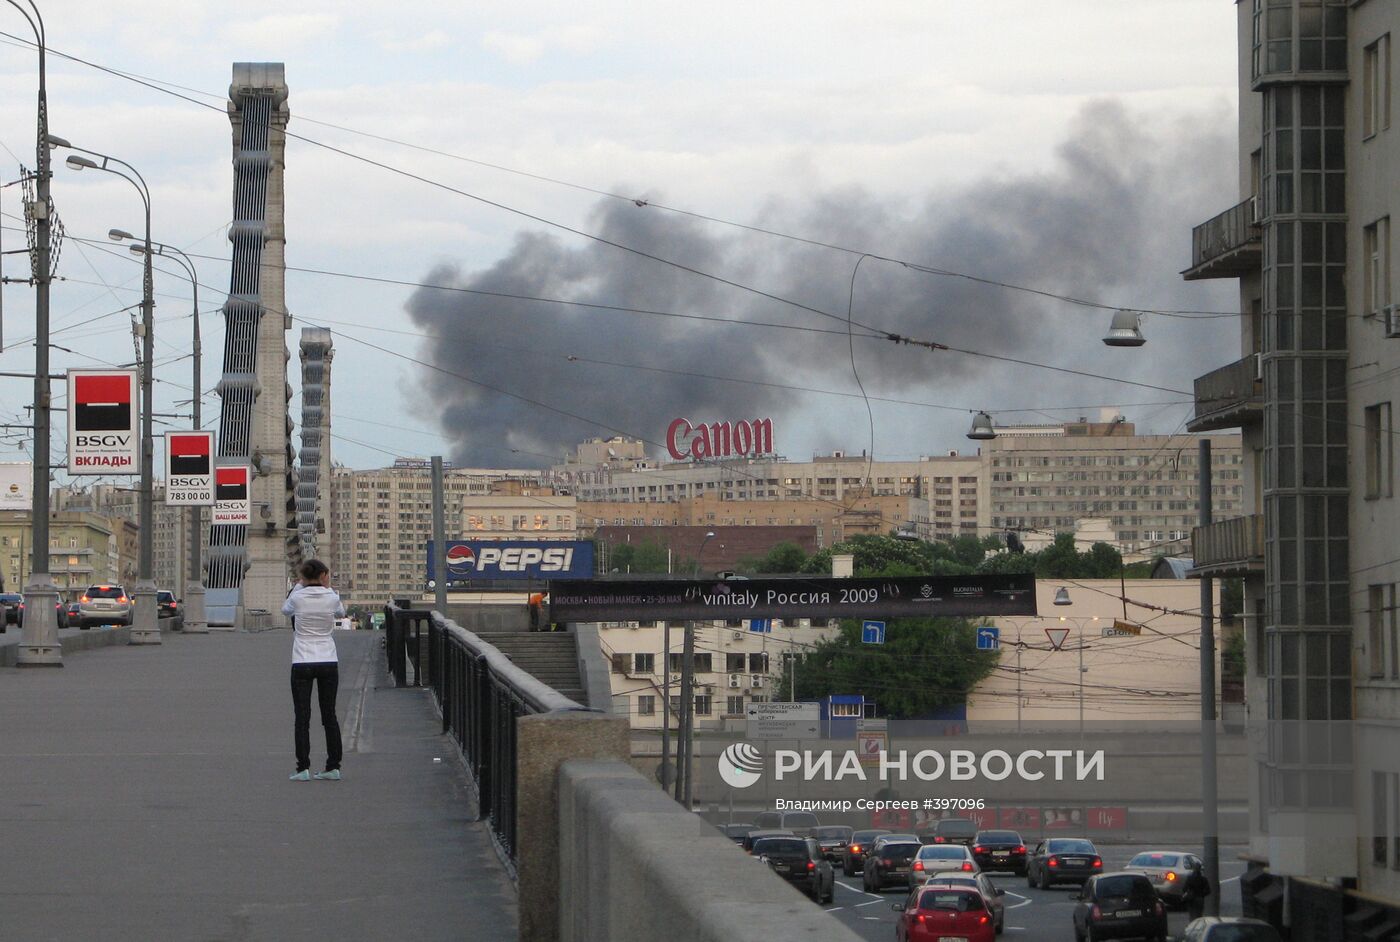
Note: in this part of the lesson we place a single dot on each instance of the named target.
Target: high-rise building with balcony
(1312, 390)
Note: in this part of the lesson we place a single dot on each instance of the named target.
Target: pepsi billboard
(468, 560)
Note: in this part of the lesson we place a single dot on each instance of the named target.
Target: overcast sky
(1066, 145)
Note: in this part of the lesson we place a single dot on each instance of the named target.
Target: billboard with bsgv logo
(103, 437)
(189, 471)
(513, 559)
(232, 494)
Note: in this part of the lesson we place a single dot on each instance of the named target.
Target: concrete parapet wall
(635, 865)
(71, 641)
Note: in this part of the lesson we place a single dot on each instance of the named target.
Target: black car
(1063, 860)
(891, 864)
(949, 831)
(13, 609)
(735, 832)
(832, 839)
(1119, 906)
(853, 860)
(757, 834)
(799, 861)
(1000, 850)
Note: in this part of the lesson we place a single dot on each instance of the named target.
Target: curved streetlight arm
(134, 178)
(36, 22)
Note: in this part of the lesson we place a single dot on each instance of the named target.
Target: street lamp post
(39, 645)
(686, 746)
(145, 628)
(195, 621)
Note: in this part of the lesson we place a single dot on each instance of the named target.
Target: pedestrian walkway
(144, 795)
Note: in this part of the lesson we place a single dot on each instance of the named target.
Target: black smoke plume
(1110, 220)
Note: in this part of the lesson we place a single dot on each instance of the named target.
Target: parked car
(799, 860)
(169, 607)
(104, 605)
(1168, 870)
(1062, 860)
(933, 858)
(890, 863)
(1119, 906)
(13, 608)
(735, 832)
(992, 895)
(758, 834)
(949, 831)
(798, 822)
(832, 839)
(1000, 850)
(936, 913)
(72, 614)
(853, 861)
(1229, 929)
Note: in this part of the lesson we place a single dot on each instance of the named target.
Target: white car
(933, 858)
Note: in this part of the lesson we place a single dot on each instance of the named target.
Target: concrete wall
(634, 865)
(71, 640)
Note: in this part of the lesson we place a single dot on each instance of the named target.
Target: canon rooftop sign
(719, 439)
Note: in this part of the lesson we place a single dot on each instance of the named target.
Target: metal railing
(480, 695)
(1224, 391)
(1234, 544)
(1224, 233)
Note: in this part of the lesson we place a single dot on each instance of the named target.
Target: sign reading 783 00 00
(904, 597)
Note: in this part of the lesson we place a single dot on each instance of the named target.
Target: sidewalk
(144, 795)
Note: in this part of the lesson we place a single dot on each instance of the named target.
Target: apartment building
(382, 519)
(514, 510)
(121, 506)
(1313, 386)
(1045, 478)
(83, 550)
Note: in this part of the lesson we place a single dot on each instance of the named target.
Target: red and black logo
(231, 484)
(189, 454)
(103, 403)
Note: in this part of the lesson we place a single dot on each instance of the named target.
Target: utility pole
(688, 712)
(439, 539)
(39, 645)
(1209, 798)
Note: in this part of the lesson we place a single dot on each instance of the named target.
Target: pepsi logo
(460, 559)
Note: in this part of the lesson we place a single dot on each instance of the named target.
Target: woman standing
(314, 607)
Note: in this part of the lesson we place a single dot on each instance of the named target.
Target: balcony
(1232, 547)
(1227, 246)
(1230, 397)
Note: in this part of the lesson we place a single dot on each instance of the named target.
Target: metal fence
(480, 695)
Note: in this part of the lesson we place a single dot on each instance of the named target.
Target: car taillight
(855, 848)
(919, 865)
(1159, 908)
(1094, 912)
(1052, 862)
(1021, 849)
(940, 840)
(1098, 861)
(84, 598)
(811, 865)
(979, 849)
(121, 599)
(920, 918)
(1171, 876)
(887, 862)
(967, 866)
(981, 920)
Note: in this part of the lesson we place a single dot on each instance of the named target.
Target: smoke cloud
(1110, 220)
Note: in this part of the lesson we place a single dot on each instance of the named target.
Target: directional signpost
(988, 638)
(872, 632)
(784, 720)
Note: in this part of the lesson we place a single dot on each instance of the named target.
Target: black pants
(326, 676)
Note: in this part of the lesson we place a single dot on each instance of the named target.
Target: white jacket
(314, 609)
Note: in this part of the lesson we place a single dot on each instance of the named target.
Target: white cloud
(281, 30)
(433, 39)
(523, 48)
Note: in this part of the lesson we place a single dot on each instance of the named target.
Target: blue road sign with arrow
(872, 632)
(988, 638)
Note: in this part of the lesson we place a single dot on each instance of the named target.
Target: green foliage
(1232, 657)
(924, 664)
(1060, 560)
(783, 558)
(1231, 599)
(645, 557)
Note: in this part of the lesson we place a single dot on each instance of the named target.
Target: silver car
(1169, 871)
(934, 858)
(104, 605)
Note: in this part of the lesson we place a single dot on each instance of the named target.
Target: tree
(889, 556)
(645, 557)
(782, 558)
(925, 664)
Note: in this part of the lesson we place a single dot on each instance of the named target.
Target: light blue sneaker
(332, 776)
(303, 776)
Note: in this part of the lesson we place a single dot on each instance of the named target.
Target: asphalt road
(1031, 915)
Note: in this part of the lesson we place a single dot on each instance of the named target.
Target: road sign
(784, 720)
(232, 494)
(1115, 632)
(103, 437)
(870, 743)
(1127, 627)
(189, 468)
(872, 632)
(763, 626)
(988, 638)
(1057, 637)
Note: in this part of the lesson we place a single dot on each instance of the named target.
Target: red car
(944, 914)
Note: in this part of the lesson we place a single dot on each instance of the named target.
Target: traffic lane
(1032, 915)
